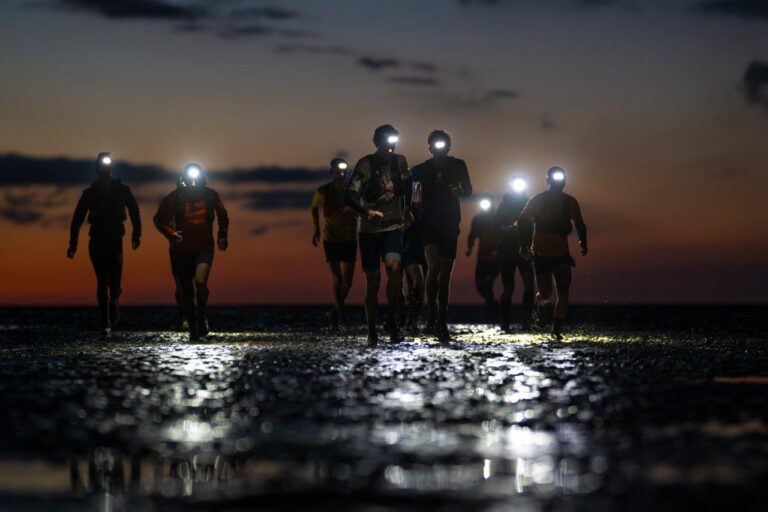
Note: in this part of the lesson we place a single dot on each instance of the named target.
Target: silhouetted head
(385, 138)
(556, 178)
(104, 164)
(193, 176)
(439, 143)
(518, 185)
(339, 168)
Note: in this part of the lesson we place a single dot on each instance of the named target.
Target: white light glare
(343, 166)
(485, 204)
(519, 185)
(106, 160)
(193, 172)
(440, 144)
(393, 139)
(558, 176)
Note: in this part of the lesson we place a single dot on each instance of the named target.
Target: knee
(201, 284)
(373, 281)
(394, 266)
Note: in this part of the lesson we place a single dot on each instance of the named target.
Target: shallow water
(639, 407)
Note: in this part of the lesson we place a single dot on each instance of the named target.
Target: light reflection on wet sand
(486, 419)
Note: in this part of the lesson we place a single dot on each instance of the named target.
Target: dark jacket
(105, 205)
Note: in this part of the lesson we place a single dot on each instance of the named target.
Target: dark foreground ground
(640, 408)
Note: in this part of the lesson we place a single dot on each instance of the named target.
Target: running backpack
(180, 210)
(374, 188)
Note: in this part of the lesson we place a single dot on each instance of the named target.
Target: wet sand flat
(638, 408)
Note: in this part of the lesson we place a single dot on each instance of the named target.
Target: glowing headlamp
(558, 176)
(518, 185)
(440, 144)
(393, 139)
(106, 160)
(193, 172)
(485, 204)
(342, 166)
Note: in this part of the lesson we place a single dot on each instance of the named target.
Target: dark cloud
(20, 216)
(583, 3)
(377, 64)
(270, 13)
(246, 31)
(418, 81)
(745, 9)
(314, 49)
(485, 99)
(755, 83)
(17, 170)
(137, 9)
(277, 199)
(380, 63)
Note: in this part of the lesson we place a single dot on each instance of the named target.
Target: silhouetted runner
(339, 236)
(510, 261)
(105, 204)
(185, 218)
(483, 230)
(444, 179)
(552, 213)
(415, 263)
(178, 293)
(380, 191)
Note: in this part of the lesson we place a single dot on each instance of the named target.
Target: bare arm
(466, 184)
(581, 227)
(134, 214)
(81, 210)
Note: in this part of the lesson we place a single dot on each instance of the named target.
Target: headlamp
(106, 160)
(485, 204)
(518, 185)
(393, 139)
(558, 176)
(440, 144)
(193, 172)
(343, 166)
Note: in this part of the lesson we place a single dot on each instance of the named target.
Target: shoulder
(401, 160)
(363, 164)
(418, 170)
(212, 194)
(457, 162)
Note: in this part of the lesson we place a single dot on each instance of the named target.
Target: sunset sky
(658, 110)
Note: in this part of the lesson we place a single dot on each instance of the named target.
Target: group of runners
(404, 218)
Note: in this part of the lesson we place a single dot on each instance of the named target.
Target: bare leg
(443, 295)
(415, 293)
(338, 293)
(394, 294)
(433, 272)
(544, 283)
(527, 276)
(188, 306)
(179, 295)
(347, 275)
(202, 271)
(562, 275)
(373, 282)
(508, 289)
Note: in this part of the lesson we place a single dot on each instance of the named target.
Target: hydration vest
(372, 189)
(180, 207)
